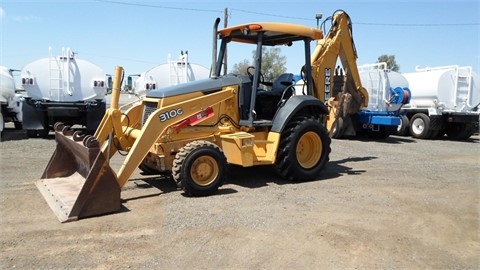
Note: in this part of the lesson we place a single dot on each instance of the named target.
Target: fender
(33, 118)
(295, 104)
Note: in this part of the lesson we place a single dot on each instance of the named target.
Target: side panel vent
(150, 107)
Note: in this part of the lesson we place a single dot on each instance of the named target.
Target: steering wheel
(251, 72)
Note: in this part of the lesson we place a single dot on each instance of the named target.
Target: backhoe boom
(344, 98)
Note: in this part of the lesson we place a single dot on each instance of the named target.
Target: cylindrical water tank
(7, 84)
(450, 88)
(380, 83)
(169, 74)
(65, 79)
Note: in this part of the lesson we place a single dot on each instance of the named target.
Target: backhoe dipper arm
(338, 43)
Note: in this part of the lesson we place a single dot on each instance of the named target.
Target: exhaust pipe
(214, 48)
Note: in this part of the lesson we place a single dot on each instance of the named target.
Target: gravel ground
(399, 203)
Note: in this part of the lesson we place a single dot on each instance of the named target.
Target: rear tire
(403, 128)
(43, 133)
(199, 168)
(32, 133)
(18, 125)
(420, 126)
(304, 149)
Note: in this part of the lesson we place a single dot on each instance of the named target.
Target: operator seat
(267, 101)
(282, 82)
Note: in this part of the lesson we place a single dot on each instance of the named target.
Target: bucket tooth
(78, 181)
(78, 136)
(67, 131)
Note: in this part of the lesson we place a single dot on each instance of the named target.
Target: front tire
(304, 149)
(199, 168)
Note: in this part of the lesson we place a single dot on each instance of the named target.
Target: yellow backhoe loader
(194, 130)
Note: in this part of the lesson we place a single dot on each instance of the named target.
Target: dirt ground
(399, 203)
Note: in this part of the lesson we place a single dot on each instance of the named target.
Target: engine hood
(205, 85)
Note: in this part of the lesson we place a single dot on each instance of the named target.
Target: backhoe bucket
(78, 181)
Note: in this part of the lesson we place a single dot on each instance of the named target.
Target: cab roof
(274, 33)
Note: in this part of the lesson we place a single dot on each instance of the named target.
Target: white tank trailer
(167, 74)
(62, 89)
(445, 100)
(10, 101)
(380, 83)
(388, 91)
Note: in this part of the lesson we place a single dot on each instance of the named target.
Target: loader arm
(154, 128)
(112, 120)
(338, 43)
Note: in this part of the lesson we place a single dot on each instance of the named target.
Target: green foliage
(273, 63)
(241, 67)
(390, 60)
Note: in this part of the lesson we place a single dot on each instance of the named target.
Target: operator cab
(258, 105)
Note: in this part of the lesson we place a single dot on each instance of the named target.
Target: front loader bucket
(78, 181)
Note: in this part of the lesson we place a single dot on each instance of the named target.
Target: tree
(273, 64)
(390, 60)
(241, 67)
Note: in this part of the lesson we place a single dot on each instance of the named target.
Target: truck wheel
(459, 131)
(199, 168)
(403, 128)
(2, 126)
(303, 150)
(43, 133)
(420, 126)
(18, 125)
(32, 133)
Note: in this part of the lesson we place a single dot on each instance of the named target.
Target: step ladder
(463, 88)
(376, 82)
(178, 69)
(56, 78)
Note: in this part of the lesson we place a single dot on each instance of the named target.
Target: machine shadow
(261, 176)
(251, 177)
(393, 139)
(162, 183)
(472, 139)
(335, 169)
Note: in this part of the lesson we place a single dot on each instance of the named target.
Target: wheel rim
(418, 126)
(309, 150)
(204, 170)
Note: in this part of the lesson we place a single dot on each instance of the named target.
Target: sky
(140, 35)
